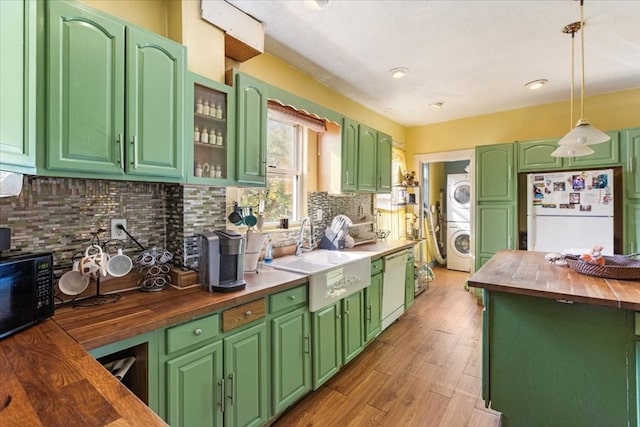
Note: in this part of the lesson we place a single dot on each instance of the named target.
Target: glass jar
(206, 110)
(212, 110)
(218, 111)
(196, 134)
(204, 136)
(212, 137)
(199, 106)
(219, 138)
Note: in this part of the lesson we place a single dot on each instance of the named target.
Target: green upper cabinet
(495, 173)
(605, 154)
(251, 130)
(367, 156)
(211, 159)
(536, 156)
(349, 155)
(17, 85)
(385, 146)
(155, 105)
(115, 97)
(632, 166)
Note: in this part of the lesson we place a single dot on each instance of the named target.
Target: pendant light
(572, 149)
(583, 133)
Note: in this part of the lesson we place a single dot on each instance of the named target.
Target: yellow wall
(606, 112)
(149, 14)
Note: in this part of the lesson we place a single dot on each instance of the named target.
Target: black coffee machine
(221, 261)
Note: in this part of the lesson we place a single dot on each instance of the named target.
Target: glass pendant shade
(584, 134)
(572, 150)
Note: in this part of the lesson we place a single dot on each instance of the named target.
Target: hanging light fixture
(583, 133)
(574, 149)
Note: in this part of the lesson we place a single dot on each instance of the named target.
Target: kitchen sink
(333, 275)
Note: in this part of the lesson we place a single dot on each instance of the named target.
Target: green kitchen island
(559, 348)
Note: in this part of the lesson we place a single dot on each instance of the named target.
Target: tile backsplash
(59, 215)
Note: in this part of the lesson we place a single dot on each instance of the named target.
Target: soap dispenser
(268, 252)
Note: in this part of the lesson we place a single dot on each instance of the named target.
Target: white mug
(119, 265)
(94, 265)
(72, 282)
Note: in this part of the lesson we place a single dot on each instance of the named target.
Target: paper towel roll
(10, 183)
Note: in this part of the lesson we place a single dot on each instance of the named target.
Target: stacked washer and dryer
(458, 222)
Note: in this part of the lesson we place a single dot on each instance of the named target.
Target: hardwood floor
(424, 370)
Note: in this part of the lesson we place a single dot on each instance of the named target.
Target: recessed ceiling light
(399, 72)
(316, 4)
(536, 84)
(437, 104)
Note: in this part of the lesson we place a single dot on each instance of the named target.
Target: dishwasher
(393, 286)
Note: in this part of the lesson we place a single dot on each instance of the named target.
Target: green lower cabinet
(559, 364)
(221, 383)
(353, 325)
(373, 307)
(291, 357)
(327, 343)
(410, 285)
(246, 376)
(195, 388)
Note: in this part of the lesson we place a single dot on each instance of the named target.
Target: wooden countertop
(528, 273)
(47, 379)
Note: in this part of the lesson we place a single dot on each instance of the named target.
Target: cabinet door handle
(369, 314)
(338, 316)
(121, 148)
(631, 161)
(308, 344)
(197, 332)
(247, 313)
(292, 297)
(233, 389)
(222, 389)
(134, 142)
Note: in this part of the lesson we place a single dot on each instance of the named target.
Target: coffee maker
(221, 261)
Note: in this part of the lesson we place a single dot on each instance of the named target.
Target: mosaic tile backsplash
(59, 215)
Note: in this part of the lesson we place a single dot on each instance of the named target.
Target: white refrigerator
(570, 211)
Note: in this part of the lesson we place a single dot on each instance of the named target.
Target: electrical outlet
(117, 233)
(318, 214)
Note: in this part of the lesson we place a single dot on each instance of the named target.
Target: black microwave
(26, 291)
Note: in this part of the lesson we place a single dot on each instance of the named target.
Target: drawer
(288, 298)
(376, 266)
(243, 314)
(194, 332)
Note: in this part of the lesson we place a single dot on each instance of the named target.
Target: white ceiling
(475, 56)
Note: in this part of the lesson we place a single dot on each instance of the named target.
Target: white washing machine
(458, 246)
(458, 197)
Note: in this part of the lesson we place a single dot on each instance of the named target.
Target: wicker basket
(615, 267)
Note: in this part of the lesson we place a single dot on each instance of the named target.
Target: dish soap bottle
(268, 252)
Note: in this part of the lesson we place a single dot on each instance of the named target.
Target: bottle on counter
(268, 252)
(206, 110)
(204, 136)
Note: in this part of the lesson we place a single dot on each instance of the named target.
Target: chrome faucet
(300, 248)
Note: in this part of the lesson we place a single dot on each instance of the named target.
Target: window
(285, 194)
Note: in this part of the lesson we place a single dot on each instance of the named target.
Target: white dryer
(458, 246)
(458, 197)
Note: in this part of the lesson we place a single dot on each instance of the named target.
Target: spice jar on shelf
(218, 111)
(212, 111)
(204, 136)
(199, 106)
(196, 134)
(219, 138)
(212, 137)
(206, 110)
(217, 173)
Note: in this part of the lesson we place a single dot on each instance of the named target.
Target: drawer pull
(247, 313)
(197, 332)
(292, 297)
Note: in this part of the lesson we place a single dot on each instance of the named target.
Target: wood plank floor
(424, 370)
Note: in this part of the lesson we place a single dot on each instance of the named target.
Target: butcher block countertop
(528, 273)
(47, 377)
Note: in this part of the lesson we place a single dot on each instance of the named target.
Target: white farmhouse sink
(333, 275)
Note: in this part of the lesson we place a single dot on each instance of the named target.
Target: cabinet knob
(247, 313)
(292, 297)
(197, 332)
